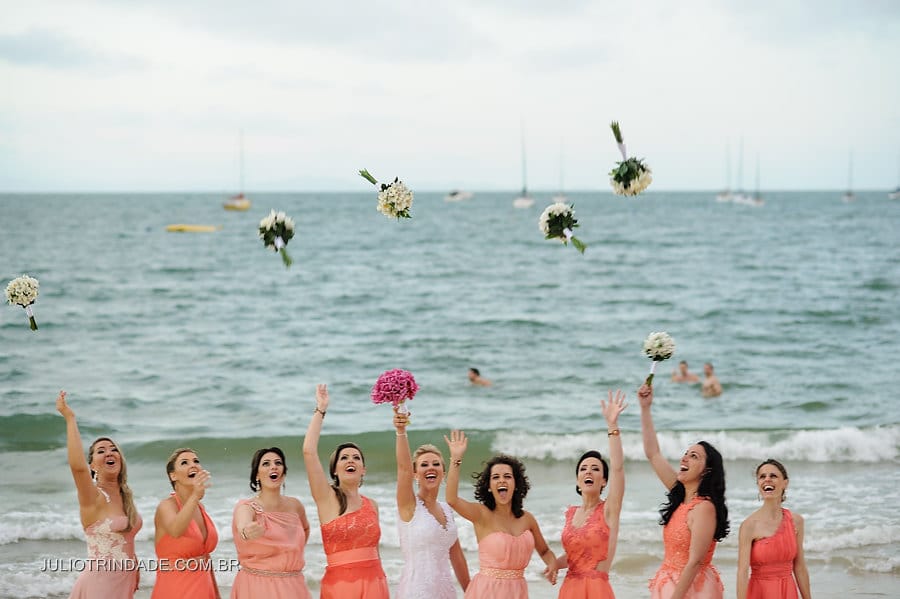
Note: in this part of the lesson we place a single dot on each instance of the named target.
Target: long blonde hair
(122, 479)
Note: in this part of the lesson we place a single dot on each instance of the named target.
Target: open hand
(612, 408)
(62, 407)
(322, 397)
(457, 443)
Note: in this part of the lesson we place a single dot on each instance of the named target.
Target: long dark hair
(712, 487)
(332, 470)
(483, 483)
(254, 465)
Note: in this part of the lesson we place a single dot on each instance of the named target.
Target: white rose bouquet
(394, 199)
(276, 230)
(557, 222)
(630, 176)
(23, 291)
(657, 347)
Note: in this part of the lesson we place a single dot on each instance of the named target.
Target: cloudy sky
(150, 95)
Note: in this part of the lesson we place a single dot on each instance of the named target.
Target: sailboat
(524, 200)
(239, 202)
(561, 196)
(725, 194)
(757, 199)
(895, 195)
(739, 197)
(848, 195)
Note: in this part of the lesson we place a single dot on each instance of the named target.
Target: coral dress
(272, 565)
(351, 548)
(111, 570)
(677, 542)
(772, 563)
(585, 547)
(502, 559)
(425, 545)
(185, 569)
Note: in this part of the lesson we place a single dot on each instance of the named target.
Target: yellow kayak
(193, 228)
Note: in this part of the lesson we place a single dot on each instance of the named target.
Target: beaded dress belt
(250, 570)
(500, 573)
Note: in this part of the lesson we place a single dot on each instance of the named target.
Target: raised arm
(745, 543)
(469, 510)
(81, 471)
(801, 573)
(616, 482)
(406, 497)
(318, 482)
(663, 469)
(702, 524)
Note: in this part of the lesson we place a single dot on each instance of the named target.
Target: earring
(758, 497)
(361, 480)
(783, 496)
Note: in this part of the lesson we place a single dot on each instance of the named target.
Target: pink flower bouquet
(395, 387)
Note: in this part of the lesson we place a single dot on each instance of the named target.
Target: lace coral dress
(772, 563)
(425, 545)
(502, 560)
(111, 570)
(185, 569)
(677, 542)
(585, 547)
(351, 548)
(272, 565)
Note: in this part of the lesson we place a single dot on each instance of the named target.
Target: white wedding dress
(425, 545)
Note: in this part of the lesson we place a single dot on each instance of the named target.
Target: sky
(154, 95)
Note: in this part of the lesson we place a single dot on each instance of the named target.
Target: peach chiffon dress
(585, 547)
(111, 569)
(677, 542)
(351, 548)
(772, 563)
(185, 569)
(272, 565)
(502, 560)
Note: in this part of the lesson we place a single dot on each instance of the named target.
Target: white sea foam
(848, 444)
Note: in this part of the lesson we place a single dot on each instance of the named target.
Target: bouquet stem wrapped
(657, 347)
(558, 221)
(631, 176)
(276, 230)
(23, 291)
(394, 199)
(395, 387)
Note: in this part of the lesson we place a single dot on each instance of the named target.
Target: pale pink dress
(272, 565)
(111, 570)
(502, 560)
(677, 542)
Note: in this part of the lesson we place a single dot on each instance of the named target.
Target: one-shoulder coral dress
(772, 563)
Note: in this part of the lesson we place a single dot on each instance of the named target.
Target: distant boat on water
(849, 196)
(524, 200)
(725, 196)
(895, 195)
(458, 196)
(239, 202)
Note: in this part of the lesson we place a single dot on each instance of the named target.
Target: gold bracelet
(613, 433)
(322, 412)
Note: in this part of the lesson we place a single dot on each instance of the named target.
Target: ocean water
(164, 339)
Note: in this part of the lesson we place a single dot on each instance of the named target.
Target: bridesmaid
(270, 533)
(348, 520)
(694, 519)
(428, 534)
(185, 535)
(506, 533)
(592, 529)
(770, 543)
(108, 515)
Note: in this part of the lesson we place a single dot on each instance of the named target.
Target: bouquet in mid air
(394, 199)
(631, 176)
(558, 221)
(395, 387)
(23, 291)
(276, 230)
(657, 347)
